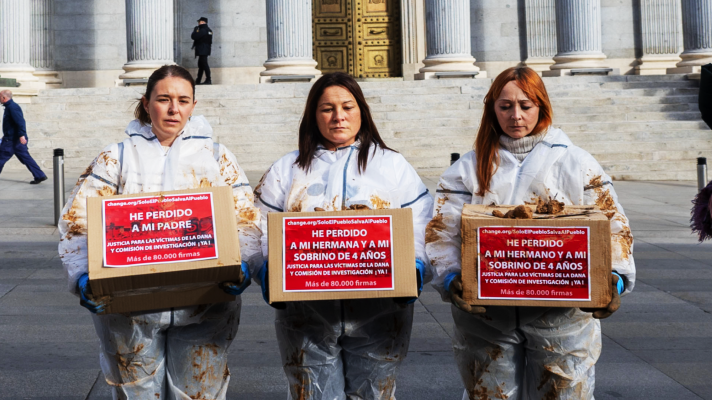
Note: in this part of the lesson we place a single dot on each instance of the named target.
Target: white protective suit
(350, 349)
(561, 345)
(177, 353)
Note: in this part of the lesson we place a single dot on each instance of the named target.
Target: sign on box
(351, 253)
(534, 263)
(158, 229)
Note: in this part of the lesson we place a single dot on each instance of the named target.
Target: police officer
(14, 140)
(202, 42)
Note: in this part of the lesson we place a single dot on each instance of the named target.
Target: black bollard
(58, 165)
(454, 157)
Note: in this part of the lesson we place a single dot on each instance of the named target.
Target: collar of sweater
(521, 147)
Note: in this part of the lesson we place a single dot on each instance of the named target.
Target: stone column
(149, 37)
(15, 44)
(42, 43)
(413, 36)
(578, 36)
(447, 25)
(289, 40)
(541, 34)
(697, 36)
(660, 32)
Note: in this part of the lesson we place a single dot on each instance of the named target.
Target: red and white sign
(158, 229)
(349, 253)
(534, 263)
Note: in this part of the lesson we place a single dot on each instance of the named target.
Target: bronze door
(359, 37)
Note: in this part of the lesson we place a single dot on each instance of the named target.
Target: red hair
(487, 142)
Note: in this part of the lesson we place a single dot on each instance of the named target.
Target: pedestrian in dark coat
(14, 139)
(202, 43)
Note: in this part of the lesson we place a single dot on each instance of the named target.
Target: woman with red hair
(524, 352)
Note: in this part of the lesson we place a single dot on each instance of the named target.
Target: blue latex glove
(233, 288)
(264, 279)
(621, 283)
(449, 278)
(420, 277)
(95, 306)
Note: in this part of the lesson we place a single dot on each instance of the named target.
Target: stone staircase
(637, 127)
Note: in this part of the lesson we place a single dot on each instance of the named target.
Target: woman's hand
(243, 281)
(453, 284)
(264, 279)
(96, 306)
(618, 288)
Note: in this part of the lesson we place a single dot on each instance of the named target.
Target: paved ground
(658, 346)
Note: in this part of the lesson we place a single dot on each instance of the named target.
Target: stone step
(641, 127)
(649, 155)
(631, 126)
(580, 138)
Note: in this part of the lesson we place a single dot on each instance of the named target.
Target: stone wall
(90, 35)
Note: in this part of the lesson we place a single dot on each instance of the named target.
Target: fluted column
(697, 36)
(42, 42)
(541, 34)
(413, 36)
(149, 37)
(447, 25)
(15, 43)
(578, 35)
(289, 39)
(660, 33)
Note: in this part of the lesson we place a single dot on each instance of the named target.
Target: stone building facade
(97, 43)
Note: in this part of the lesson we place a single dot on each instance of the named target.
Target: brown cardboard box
(316, 242)
(172, 284)
(507, 278)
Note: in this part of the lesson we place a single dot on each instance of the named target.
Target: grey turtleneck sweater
(520, 148)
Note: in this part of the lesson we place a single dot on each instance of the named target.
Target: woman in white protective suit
(349, 349)
(177, 353)
(524, 352)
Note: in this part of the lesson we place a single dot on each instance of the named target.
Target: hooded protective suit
(177, 353)
(350, 349)
(561, 345)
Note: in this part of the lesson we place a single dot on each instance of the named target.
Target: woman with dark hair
(524, 352)
(176, 353)
(337, 350)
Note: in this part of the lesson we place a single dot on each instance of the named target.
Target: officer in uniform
(202, 42)
(14, 139)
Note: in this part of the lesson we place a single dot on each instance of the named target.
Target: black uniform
(202, 42)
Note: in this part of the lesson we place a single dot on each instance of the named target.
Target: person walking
(202, 43)
(14, 139)
(524, 352)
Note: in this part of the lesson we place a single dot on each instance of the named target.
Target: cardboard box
(564, 261)
(341, 255)
(168, 249)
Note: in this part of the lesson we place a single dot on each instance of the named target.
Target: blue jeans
(8, 148)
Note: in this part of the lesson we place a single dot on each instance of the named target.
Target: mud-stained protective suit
(177, 353)
(349, 349)
(560, 345)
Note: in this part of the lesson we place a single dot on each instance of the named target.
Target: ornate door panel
(359, 37)
(378, 38)
(333, 35)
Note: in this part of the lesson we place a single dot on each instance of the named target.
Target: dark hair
(309, 134)
(158, 75)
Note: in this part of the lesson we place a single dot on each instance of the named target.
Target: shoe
(207, 83)
(38, 180)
